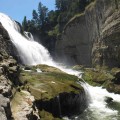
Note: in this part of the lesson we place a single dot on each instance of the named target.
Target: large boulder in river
(106, 77)
(56, 93)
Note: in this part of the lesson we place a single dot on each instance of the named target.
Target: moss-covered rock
(97, 76)
(49, 83)
(78, 67)
(49, 86)
(102, 76)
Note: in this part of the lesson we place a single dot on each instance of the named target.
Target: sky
(17, 9)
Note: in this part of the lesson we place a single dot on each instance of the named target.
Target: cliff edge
(92, 38)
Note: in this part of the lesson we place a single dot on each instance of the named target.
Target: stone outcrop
(56, 93)
(9, 80)
(100, 76)
(5, 83)
(5, 111)
(6, 46)
(93, 37)
(22, 106)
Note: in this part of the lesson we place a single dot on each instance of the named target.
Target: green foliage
(42, 14)
(24, 23)
(49, 83)
(54, 32)
(48, 25)
(35, 15)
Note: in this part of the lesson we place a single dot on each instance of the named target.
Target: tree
(35, 15)
(42, 14)
(62, 5)
(82, 4)
(25, 24)
(58, 4)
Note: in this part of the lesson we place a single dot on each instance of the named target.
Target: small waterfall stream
(32, 53)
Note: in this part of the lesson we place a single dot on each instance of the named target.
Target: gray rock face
(93, 37)
(6, 46)
(5, 110)
(8, 74)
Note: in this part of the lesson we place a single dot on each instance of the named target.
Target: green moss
(73, 19)
(114, 105)
(90, 6)
(55, 32)
(49, 83)
(78, 67)
(97, 76)
(115, 70)
(44, 115)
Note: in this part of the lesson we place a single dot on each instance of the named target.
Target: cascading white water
(29, 36)
(33, 53)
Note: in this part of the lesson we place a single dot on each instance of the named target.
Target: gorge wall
(92, 38)
(8, 74)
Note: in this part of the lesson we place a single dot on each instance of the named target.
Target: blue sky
(17, 9)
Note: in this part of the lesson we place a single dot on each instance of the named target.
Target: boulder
(54, 91)
(22, 106)
(108, 100)
(116, 80)
(5, 87)
(5, 110)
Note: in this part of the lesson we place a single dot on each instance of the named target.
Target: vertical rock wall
(93, 37)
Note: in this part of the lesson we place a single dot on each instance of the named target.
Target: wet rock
(116, 80)
(108, 99)
(65, 104)
(27, 68)
(54, 91)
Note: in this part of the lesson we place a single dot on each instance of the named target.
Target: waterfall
(32, 53)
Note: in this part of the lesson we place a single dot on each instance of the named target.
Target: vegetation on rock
(48, 25)
(47, 85)
(101, 76)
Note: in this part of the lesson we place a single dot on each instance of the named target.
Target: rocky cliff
(6, 46)
(8, 74)
(92, 38)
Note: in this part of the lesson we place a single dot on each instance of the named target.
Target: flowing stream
(33, 53)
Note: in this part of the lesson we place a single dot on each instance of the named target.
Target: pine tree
(42, 14)
(25, 24)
